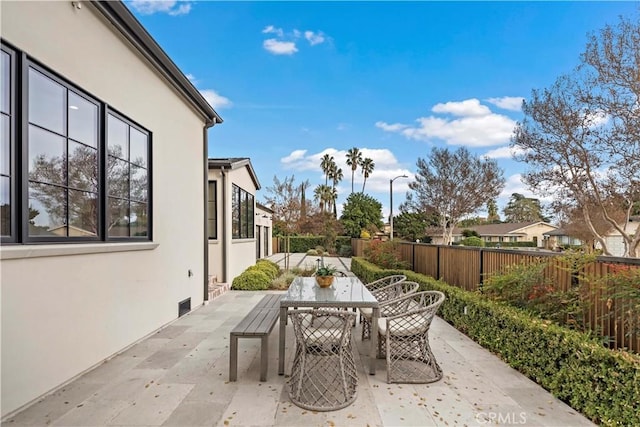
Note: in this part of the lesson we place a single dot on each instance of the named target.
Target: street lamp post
(391, 204)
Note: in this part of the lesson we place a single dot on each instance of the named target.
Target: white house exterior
(234, 218)
(91, 265)
(512, 233)
(264, 230)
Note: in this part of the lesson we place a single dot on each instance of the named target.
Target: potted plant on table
(325, 275)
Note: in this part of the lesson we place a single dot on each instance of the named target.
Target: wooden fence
(468, 267)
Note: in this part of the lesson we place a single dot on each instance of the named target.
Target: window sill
(38, 251)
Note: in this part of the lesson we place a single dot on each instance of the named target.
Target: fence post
(481, 281)
(437, 262)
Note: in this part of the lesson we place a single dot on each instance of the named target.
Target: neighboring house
(264, 230)
(234, 217)
(558, 238)
(614, 240)
(499, 233)
(102, 189)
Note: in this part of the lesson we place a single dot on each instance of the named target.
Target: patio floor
(179, 377)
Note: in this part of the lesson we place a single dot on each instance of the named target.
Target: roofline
(127, 24)
(264, 208)
(235, 164)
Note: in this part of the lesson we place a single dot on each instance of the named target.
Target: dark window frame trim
(14, 157)
(215, 207)
(247, 224)
(149, 237)
(19, 158)
(28, 63)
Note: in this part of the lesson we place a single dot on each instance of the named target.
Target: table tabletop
(344, 292)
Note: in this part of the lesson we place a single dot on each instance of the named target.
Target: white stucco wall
(62, 314)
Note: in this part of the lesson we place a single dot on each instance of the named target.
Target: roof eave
(127, 24)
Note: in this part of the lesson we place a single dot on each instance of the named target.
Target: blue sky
(296, 80)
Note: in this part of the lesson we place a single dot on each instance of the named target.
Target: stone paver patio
(179, 377)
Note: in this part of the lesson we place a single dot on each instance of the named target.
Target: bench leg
(264, 357)
(233, 358)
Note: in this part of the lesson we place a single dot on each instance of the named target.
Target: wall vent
(184, 307)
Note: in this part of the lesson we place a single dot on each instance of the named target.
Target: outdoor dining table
(345, 292)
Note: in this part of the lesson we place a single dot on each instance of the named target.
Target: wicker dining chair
(404, 338)
(382, 282)
(323, 374)
(385, 295)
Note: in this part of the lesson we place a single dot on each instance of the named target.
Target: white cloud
(468, 107)
(284, 42)
(397, 127)
(294, 156)
(314, 38)
(216, 100)
(170, 7)
(513, 103)
(280, 47)
(475, 125)
(270, 29)
(506, 152)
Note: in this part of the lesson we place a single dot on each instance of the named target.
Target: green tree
(354, 158)
(454, 184)
(327, 164)
(323, 195)
(412, 225)
(303, 199)
(335, 175)
(492, 212)
(367, 168)
(523, 209)
(360, 212)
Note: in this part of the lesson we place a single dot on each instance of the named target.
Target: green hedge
(602, 384)
(301, 244)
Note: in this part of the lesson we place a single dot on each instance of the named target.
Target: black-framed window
(212, 210)
(127, 178)
(66, 173)
(242, 214)
(7, 145)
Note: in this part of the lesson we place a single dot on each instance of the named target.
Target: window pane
(211, 229)
(5, 145)
(83, 167)
(83, 214)
(235, 213)
(117, 177)
(139, 225)
(251, 217)
(5, 83)
(138, 184)
(117, 138)
(5, 206)
(138, 144)
(46, 102)
(118, 218)
(46, 156)
(47, 210)
(83, 120)
(243, 215)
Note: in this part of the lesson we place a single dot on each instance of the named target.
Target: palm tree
(367, 168)
(303, 199)
(336, 176)
(326, 165)
(322, 194)
(354, 158)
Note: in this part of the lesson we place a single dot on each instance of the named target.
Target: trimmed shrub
(600, 383)
(345, 251)
(251, 280)
(472, 241)
(269, 267)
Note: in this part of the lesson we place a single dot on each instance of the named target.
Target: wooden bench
(258, 323)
